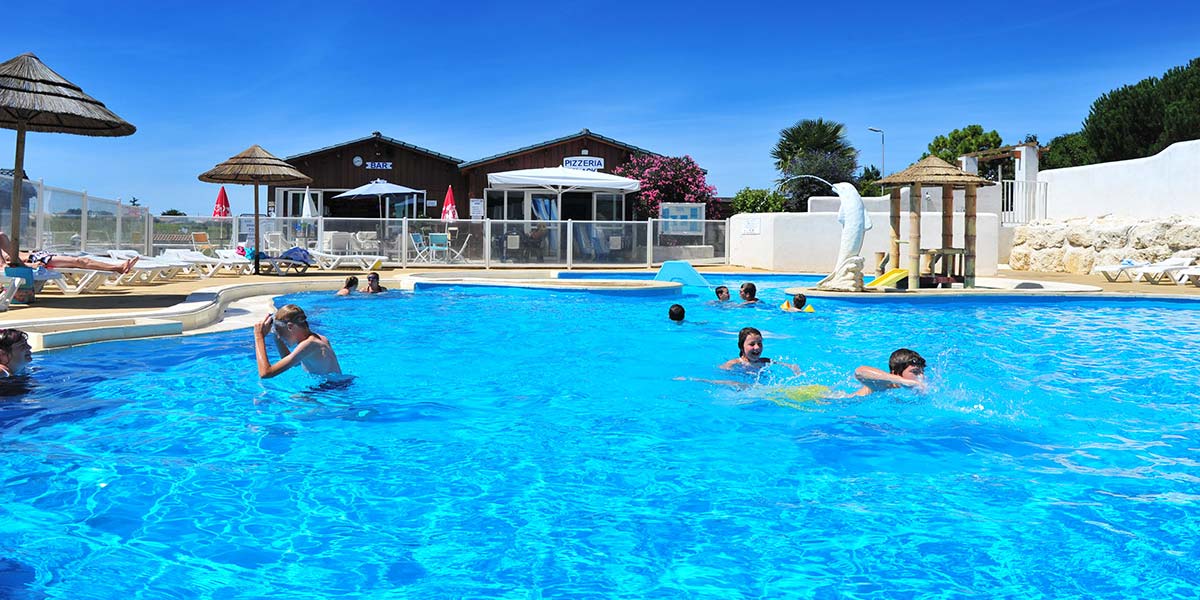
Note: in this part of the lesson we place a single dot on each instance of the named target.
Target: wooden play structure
(944, 265)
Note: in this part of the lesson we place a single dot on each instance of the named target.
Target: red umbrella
(449, 210)
(221, 209)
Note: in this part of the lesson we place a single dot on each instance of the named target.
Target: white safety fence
(466, 243)
(65, 220)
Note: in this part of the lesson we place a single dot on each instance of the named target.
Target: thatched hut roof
(254, 166)
(32, 93)
(932, 170)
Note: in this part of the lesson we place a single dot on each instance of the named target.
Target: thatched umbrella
(255, 166)
(35, 98)
(932, 170)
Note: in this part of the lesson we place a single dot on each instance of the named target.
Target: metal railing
(464, 243)
(1022, 201)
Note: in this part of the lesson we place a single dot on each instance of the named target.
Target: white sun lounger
(10, 288)
(1113, 273)
(1189, 274)
(73, 282)
(361, 262)
(167, 268)
(1166, 269)
(207, 265)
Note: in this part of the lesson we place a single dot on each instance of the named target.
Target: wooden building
(338, 168)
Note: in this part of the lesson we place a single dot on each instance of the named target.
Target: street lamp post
(882, 151)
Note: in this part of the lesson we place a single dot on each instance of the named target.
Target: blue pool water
(533, 444)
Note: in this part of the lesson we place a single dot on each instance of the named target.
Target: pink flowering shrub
(667, 179)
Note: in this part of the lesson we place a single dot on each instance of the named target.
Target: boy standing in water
(312, 351)
(907, 369)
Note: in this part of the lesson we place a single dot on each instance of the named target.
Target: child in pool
(373, 286)
(348, 287)
(311, 350)
(15, 353)
(676, 313)
(750, 349)
(907, 369)
(722, 293)
(798, 303)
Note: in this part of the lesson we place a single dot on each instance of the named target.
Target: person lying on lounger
(59, 261)
(311, 350)
(15, 353)
(906, 369)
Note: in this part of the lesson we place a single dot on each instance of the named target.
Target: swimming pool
(537, 444)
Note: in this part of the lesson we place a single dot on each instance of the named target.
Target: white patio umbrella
(309, 210)
(378, 188)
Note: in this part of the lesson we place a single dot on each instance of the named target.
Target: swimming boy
(373, 286)
(15, 353)
(750, 349)
(798, 303)
(312, 351)
(676, 312)
(722, 293)
(907, 369)
(749, 293)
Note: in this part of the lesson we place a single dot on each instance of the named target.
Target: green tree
(1180, 92)
(971, 138)
(833, 167)
(1067, 150)
(1126, 122)
(867, 182)
(171, 212)
(811, 135)
(758, 201)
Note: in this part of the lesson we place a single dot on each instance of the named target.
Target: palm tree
(811, 135)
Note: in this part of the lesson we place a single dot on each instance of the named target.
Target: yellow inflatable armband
(798, 396)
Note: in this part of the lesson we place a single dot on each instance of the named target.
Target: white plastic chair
(456, 254)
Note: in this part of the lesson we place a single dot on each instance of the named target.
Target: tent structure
(561, 180)
(253, 166)
(932, 170)
(378, 189)
(35, 98)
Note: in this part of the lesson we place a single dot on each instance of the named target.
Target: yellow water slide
(889, 279)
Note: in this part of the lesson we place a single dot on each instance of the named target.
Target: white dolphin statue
(854, 219)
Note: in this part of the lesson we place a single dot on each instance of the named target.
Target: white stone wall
(1158, 186)
(987, 200)
(1081, 244)
(808, 242)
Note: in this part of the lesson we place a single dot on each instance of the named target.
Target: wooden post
(914, 237)
(947, 226)
(18, 195)
(894, 217)
(969, 239)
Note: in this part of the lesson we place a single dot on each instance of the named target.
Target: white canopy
(378, 187)
(560, 180)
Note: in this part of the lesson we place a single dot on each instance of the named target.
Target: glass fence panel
(100, 232)
(698, 242)
(29, 209)
(205, 234)
(132, 227)
(375, 237)
(608, 243)
(62, 222)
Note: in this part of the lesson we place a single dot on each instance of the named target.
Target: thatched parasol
(35, 98)
(255, 166)
(932, 170)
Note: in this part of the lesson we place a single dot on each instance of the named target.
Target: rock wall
(1078, 245)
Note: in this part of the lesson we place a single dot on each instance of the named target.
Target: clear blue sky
(715, 80)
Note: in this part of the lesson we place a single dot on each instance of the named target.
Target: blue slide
(681, 271)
